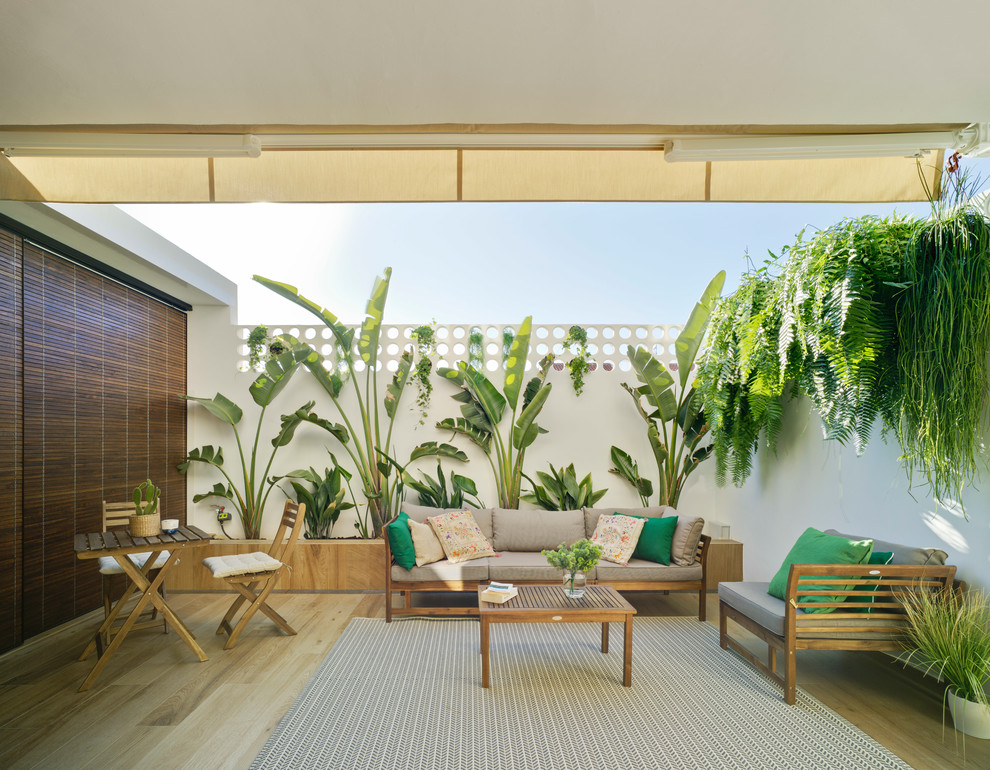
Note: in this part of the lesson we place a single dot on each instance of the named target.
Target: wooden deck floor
(156, 706)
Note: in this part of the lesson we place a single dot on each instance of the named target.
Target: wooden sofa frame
(856, 630)
(408, 587)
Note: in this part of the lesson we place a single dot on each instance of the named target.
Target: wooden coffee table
(547, 604)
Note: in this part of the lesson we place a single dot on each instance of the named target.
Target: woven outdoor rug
(408, 695)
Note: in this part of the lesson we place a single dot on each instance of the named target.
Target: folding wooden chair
(246, 573)
(117, 515)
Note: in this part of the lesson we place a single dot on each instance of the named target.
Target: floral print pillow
(617, 535)
(460, 536)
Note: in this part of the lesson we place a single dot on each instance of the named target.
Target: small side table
(725, 563)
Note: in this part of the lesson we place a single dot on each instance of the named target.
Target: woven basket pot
(148, 525)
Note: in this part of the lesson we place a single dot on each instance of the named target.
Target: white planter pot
(969, 717)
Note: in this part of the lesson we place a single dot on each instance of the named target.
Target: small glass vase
(575, 584)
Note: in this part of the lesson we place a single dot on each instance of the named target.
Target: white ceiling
(599, 62)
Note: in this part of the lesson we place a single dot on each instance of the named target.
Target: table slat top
(94, 544)
(543, 598)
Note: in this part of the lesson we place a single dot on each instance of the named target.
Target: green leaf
(657, 382)
(219, 490)
(432, 449)
(485, 394)
(331, 383)
(220, 407)
(206, 454)
(689, 340)
(526, 430)
(515, 363)
(465, 484)
(372, 326)
(303, 414)
(343, 335)
(278, 372)
(393, 391)
(462, 427)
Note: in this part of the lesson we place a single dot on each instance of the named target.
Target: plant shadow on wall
(873, 319)
(675, 421)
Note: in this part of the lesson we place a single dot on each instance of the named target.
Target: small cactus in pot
(146, 521)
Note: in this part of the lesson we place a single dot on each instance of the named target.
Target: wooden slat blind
(101, 368)
(11, 404)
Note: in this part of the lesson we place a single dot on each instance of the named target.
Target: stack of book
(499, 593)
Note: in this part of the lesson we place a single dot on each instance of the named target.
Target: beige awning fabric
(514, 174)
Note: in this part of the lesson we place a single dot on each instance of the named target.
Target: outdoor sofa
(867, 613)
(518, 536)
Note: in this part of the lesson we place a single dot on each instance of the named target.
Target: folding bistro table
(120, 546)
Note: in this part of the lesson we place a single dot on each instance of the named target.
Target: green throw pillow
(401, 543)
(655, 539)
(877, 557)
(815, 547)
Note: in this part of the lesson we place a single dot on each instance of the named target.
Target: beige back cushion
(535, 530)
(684, 548)
(425, 543)
(591, 515)
(421, 513)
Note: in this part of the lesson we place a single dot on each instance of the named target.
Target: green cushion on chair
(815, 547)
(401, 543)
(877, 557)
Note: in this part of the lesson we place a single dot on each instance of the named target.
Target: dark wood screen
(103, 369)
(11, 403)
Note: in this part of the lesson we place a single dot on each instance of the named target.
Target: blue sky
(495, 263)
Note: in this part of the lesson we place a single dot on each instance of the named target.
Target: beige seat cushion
(512, 566)
(240, 564)
(650, 571)
(425, 543)
(476, 569)
(109, 565)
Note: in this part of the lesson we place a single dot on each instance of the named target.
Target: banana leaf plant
(246, 488)
(561, 490)
(675, 420)
(483, 407)
(323, 495)
(367, 432)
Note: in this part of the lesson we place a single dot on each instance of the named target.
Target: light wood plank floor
(156, 706)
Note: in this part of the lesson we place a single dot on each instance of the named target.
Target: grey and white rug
(408, 695)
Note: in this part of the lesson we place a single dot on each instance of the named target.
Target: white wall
(809, 483)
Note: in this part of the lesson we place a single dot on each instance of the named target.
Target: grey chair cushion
(535, 530)
(511, 566)
(421, 513)
(476, 569)
(753, 601)
(903, 554)
(591, 515)
(641, 569)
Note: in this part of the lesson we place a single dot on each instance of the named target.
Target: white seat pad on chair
(109, 566)
(240, 564)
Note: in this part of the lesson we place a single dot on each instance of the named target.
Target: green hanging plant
(425, 339)
(476, 349)
(576, 342)
(943, 327)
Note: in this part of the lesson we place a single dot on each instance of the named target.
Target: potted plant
(146, 521)
(575, 560)
(950, 633)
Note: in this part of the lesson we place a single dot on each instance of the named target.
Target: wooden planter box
(316, 565)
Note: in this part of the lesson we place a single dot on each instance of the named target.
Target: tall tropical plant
(674, 418)
(438, 492)
(323, 494)
(247, 489)
(368, 420)
(483, 408)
